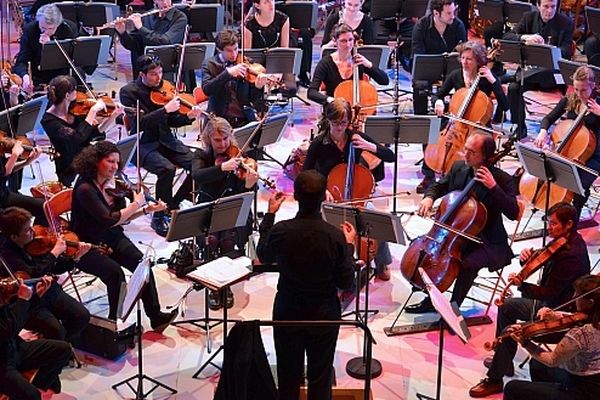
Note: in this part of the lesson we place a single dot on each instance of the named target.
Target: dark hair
(438, 5)
(341, 29)
(309, 190)
(147, 62)
(13, 219)
(59, 86)
(564, 212)
(86, 162)
(488, 147)
(226, 37)
(585, 284)
(338, 109)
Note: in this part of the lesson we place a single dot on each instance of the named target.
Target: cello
(471, 104)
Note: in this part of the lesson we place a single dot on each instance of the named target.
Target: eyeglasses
(339, 123)
(470, 152)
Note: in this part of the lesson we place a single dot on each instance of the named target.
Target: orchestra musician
(351, 15)
(436, 33)
(584, 84)
(544, 26)
(10, 92)
(165, 27)
(58, 315)
(497, 193)
(229, 96)
(48, 356)
(572, 370)
(266, 27)
(97, 216)
(564, 266)
(213, 171)
(70, 133)
(161, 153)
(332, 147)
(314, 260)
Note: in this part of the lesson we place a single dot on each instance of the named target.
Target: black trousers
(48, 356)
(591, 48)
(108, 269)
(421, 90)
(31, 204)
(291, 344)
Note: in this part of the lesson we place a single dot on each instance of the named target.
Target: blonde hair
(214, 125)
(583, 73)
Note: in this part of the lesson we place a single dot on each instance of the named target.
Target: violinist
(544, 26)
(163, 28)
(161, 153)
(584, 84)
(58, 315)
(97, 217)
(47, 355)
(213, 170)
(497, 193)
(332, 148)
(570, 262)
(70, 133)
(572, 370)
(229, 96)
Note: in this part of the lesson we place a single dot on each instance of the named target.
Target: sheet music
(222, 271)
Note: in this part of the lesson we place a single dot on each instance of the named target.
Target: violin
(7, 143)
(44, 241)
(13, 79)
(124, 188)
(166, 92)
(82, 104)
(45, 190)
(9, 286)
(535, 329)
(244, 166)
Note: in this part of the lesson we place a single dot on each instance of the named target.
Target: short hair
(213, 125)
(564, 212)
(59, 86)
(338, 109)
(13, 219)
(340, 29)
(147, 62)
(50, 13)
(585, 284)
(309, 190)
(478, 50)
(226, 37)
(86, 162)
(438, 5)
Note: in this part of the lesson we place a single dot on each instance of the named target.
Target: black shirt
(267, 36)
(364, 30)
(19, 260)
(427, 40)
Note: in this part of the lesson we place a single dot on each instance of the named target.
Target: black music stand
(402, 129)
(271, 132)
(302, 14)
(84, 51)
(592, 16)
(492, 10)
(205, 18)
(29, 115)
(136, 285)
(452, 318)
(126, 148)
(514, 10)
(567, 70)
(195, 54)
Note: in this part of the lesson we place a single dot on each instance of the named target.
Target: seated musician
(544, 26)
(583, 96)
(568, 263)
(97, 217)
(351, 15)
(332, 148)
(69, 133)
(496, 191)
(165, 27)
(572, 369)
(58, 316)
(314, 260)
(229, 95)
(161, 152)
(213, 170)
(47, 355)
(10, 92)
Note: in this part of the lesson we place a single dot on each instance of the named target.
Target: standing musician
(583, 97)
(497, 193)
(165, 27)
(437, 33)
(96, 217)
(338, 67)
(351, 15)
(47, 355)
(57, 315)
(332, 148)
(575, 359)
(314, 260)
(229, 95)
(564, 266)
(161, 153)
(213, 171)
(544, 26)
(70, 133)
(266, 27)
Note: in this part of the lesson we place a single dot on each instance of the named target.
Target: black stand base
(432, 326)
(357, 367)
(139, 391)
(209, 362)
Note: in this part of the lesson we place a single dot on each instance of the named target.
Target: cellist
(497, 193)
(570, 106)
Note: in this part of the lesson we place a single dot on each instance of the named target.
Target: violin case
(102, 338)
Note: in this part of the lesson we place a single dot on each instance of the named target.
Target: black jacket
(427, 40)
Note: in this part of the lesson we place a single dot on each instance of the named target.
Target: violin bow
(10, 273)
(75, 71)
(53, 222)
(181, 58)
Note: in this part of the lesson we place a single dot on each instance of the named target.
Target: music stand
(452, 318)
(302, 14)
(592, 16)
(137, 283)
(514, 10)
(206, 18)
(126, 148)
(195, 54)
(271, 132)
(491, 10)
(31, 115)
(414, 8)
(567, 70)
(414, 129)
(84, 51)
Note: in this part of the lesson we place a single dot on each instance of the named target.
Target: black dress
(364, 30)
(267, 36)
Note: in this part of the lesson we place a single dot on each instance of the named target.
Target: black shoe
(424, 185)
(422, 307)
(519, 133)
(55, 386)
(304, 82)
(214, 300)
(159, 224)
(160, 321)
(488, 363)
(229, 300)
